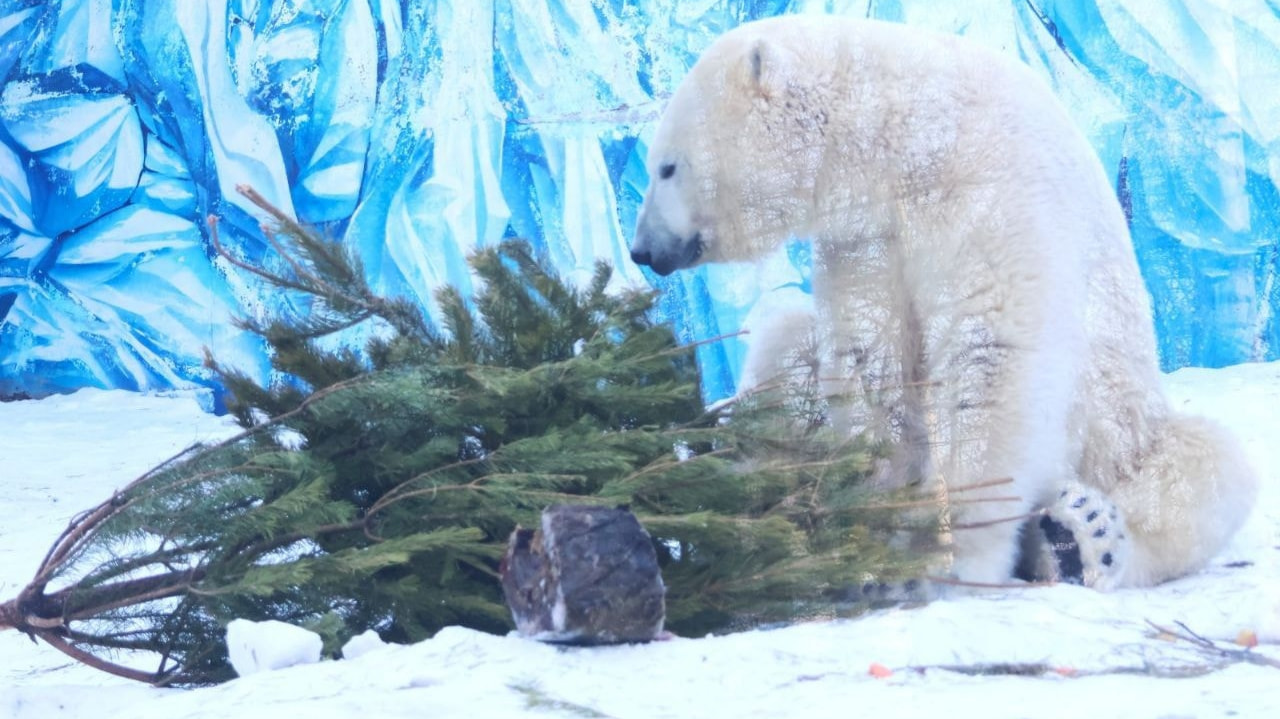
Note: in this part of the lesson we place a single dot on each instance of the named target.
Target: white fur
(977, 295)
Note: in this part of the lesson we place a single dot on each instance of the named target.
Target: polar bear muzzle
(664, 252)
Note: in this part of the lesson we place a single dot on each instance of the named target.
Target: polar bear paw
(1085, 539)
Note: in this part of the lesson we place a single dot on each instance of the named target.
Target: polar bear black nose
(641, 257)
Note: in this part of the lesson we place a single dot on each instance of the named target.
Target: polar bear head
(734, 161)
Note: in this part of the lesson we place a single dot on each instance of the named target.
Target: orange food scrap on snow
(1247, 638)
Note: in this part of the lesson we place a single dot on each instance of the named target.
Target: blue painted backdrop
(417, 130)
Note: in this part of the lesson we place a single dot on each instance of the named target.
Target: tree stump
(588, 576)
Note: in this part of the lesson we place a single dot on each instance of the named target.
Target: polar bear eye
(666, 171)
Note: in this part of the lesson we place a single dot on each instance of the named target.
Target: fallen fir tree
(378, 488)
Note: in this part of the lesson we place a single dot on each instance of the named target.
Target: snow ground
(63, 454)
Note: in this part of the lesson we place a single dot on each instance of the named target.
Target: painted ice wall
(418, 130)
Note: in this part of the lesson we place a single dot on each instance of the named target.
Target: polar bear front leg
(781, 350)
(985, 549)
(1008, 447)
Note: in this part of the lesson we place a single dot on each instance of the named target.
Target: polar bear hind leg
(1181, 506)
(1194, 488)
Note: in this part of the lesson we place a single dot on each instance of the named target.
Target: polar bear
(977, 295)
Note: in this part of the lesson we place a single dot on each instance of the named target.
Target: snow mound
(256, 647)
(362, 644)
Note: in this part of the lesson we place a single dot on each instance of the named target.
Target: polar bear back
(892, 115)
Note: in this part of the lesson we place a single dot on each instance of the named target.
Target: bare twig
(951, 581)
(933, 501)
(1040, 669)
(1208, 646)
(998, 520)
(979, 485)
(96, 662)
(247, 267)
(1219, 657)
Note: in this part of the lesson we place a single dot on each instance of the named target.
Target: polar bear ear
(756, 58)
(766, 67)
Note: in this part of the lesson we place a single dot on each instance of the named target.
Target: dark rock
(588, 576)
